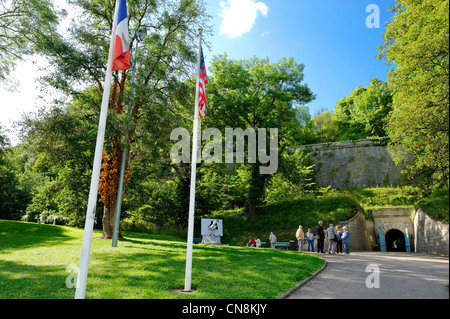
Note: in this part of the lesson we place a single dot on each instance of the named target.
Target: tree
(326, 128)
(361, 114)
(13, 198)
(256, 94)
(22, 22)
(417, 43)
(79, 59)
(294, 179)
(4, 140)
(62, 141)
(364, 112)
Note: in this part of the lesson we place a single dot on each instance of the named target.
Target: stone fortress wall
(353, 164)
(367, 163)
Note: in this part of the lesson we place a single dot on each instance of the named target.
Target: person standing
(310, 239)
(320, 237)
(346, 239)
(331, 235)
(300, 235)
(273, 240)
(339, 241)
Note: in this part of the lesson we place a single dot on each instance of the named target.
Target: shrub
(437, 205)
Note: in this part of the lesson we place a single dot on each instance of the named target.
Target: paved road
(401, 276)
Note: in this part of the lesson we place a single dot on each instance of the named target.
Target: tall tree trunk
(256, 190)
(111, 165)
(108, 223)
(109, 185)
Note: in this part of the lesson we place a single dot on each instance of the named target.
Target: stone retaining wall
(362, 235)
(431, 236)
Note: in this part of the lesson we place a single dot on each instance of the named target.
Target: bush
(294, 178)
(46, 217)
(385, 196)
(161, 209)
(437, 205)
(30, 217)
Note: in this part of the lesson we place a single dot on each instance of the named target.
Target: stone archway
(395, 240)
(393, 223)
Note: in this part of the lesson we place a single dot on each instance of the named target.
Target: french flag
(121, 59)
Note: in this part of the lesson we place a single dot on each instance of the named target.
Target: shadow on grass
(18, 281)
(228, 272)
(142, 268)
(19, 235)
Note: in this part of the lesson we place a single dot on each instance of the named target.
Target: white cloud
(239, 16)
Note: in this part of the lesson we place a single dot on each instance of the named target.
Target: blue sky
(329, 37)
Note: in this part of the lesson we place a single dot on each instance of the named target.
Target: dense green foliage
(364, 112)
(12, 199)
(294, 179)
(437, 205)
(360, 115)
(256, 94)
(382, 197)
(37, 261)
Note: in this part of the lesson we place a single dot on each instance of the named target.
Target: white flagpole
(190, 237)
(90, 214)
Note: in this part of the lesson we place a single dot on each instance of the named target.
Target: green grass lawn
(36, 260)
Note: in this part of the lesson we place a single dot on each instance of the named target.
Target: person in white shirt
(257, 242)
(300, 235)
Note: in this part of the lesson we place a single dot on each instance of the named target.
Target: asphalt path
(378, 275)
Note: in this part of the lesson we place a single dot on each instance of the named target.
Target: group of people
(257, 242)
(254, 242)
(335, 237)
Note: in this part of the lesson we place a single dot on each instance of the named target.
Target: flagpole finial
(200, 29)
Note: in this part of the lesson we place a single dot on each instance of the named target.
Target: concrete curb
(287, 294)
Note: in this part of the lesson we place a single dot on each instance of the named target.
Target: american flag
(202, 81)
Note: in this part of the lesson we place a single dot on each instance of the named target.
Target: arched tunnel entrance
(395, 240)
